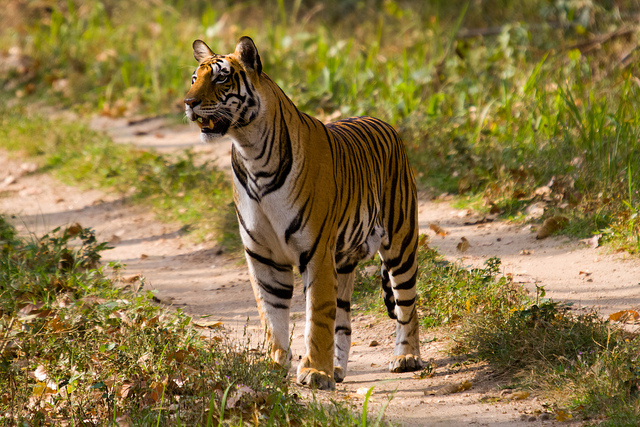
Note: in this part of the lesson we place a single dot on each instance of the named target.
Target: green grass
(178, 187)
(491, 118)
(81, 347)
(494, 116)
(578, 363)
(581, 362)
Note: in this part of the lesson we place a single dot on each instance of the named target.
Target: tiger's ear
(201, 51)
(247, 52)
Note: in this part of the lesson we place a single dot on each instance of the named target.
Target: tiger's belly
(360, 248)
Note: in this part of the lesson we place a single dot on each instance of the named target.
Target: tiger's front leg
(320, 282)
(273, 288)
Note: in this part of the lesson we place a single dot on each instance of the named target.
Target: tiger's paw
(339, 373)
(282, 357)
(315, 379)
(405, 363)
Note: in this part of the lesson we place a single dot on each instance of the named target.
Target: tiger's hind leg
(399, 271)
(320, 281)
(343, 325)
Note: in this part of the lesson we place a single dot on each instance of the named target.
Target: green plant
(178, 186)
(77, 345)
(449, 293)
(488, 113)
(582, 361)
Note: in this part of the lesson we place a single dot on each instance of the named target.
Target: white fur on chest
(265, 223)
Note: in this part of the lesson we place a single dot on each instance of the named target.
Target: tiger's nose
(192, 102)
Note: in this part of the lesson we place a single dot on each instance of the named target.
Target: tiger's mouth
(210, 124)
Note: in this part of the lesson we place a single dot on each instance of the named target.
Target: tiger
(320, 198)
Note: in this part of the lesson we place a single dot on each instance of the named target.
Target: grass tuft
(79, 347)
(579, 362)
(178, 187)
(583, 362)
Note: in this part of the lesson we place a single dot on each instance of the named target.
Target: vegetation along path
(203, 281)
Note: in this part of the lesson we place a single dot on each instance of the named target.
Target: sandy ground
(203, 282)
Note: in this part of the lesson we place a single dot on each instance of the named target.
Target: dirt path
(203, 282)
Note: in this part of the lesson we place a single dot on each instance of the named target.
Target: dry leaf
(625, 316)
(424, 241)
(207, 324)
(593, 242)
(41, 388)
(39, 374)
(563, 416)
(124, 421)
(464, 245)
(179, 356)
(428, 370)
(122, 315)
(373, 343)
(535, 210)
(550, 226)
(543, 191)
(452, 388)
(438, 230)
(56, 325)
(519, 395)
(73, 230)
(465, 386)
(93, 300)
(447, 389)
(155, 392)
(30, 309)
(242, 391)
(526, 252)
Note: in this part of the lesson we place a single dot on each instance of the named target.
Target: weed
(178, 187)
(449, 293)
(578, 361)
(583, 362)
(472, 109)
(75, 347)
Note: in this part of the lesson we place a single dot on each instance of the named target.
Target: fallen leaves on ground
(551, 225)
(625, 316)
(438, 230)
(204, 324)
(450, 388)
(592, 242)
(428, 371)
(505, 396)
(464, 245)
(563, 416)
(519, 395)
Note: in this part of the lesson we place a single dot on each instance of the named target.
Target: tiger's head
(223, 94)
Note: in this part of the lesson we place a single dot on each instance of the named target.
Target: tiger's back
(321, 198)
(376, 188)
